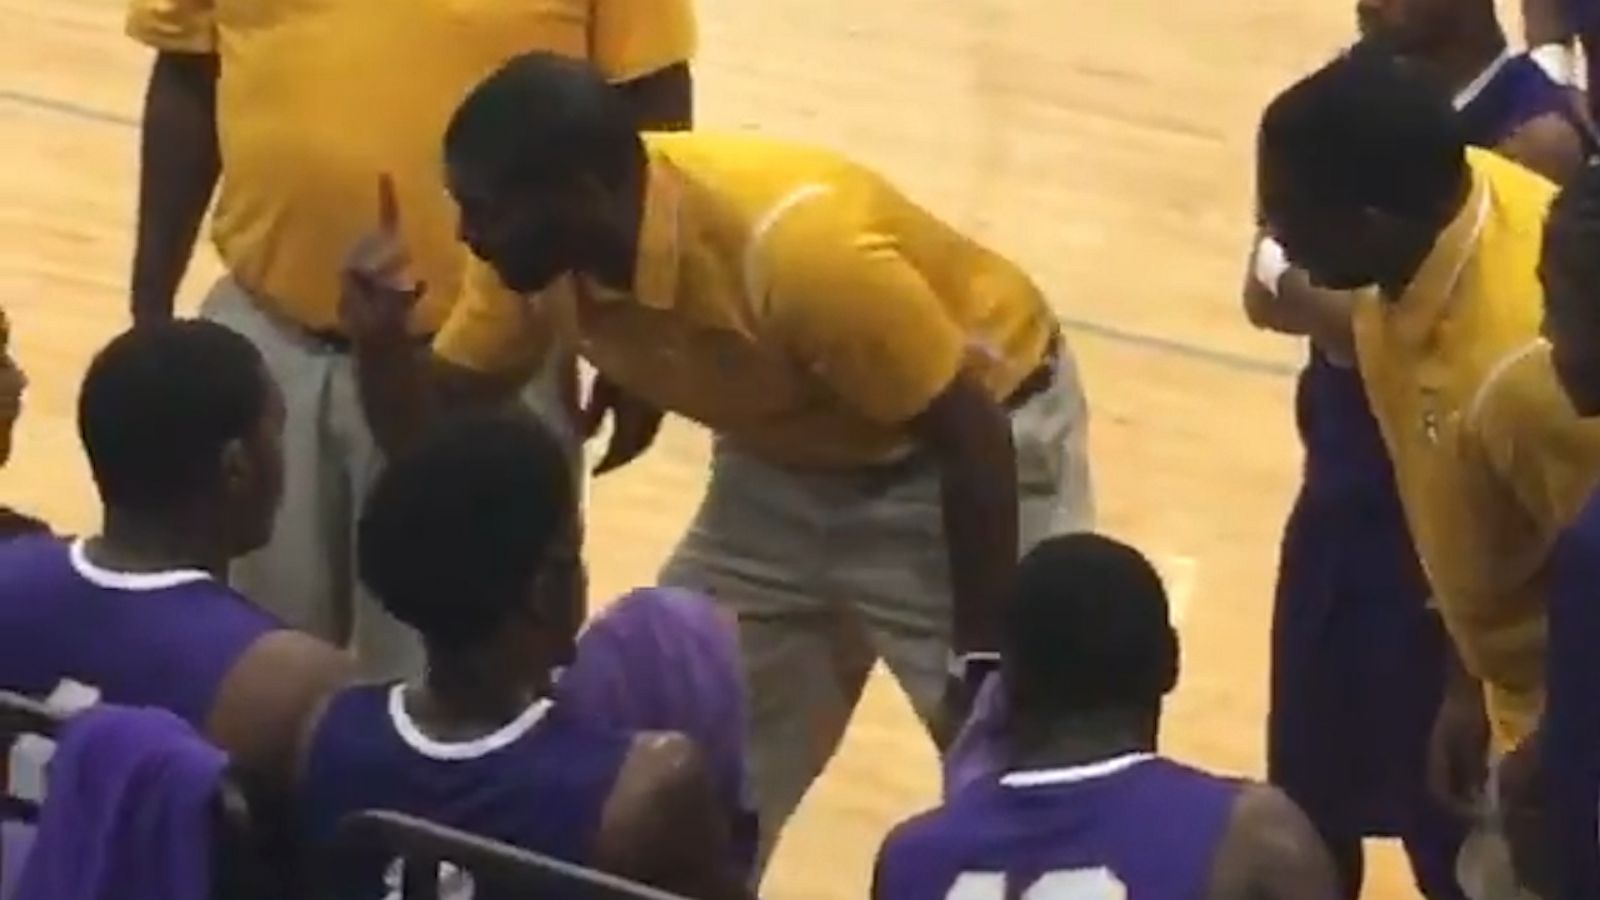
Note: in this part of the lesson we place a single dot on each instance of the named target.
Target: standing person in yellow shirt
(1365, 181)
(896, 412)
(296, 105)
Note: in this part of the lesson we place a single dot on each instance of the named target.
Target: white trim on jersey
(1466, 95)
(1074, 774)
(130, 581)
(450, 751)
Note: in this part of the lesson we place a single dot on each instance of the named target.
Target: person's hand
(955, 707)
(377, 293)
(1458, 749)
(634, 423)
(1522, 810)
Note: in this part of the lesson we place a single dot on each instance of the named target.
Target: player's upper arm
(662, 824)
(1271, 852)
(174, 26)
(630, 39)
(495, 332)
(263, 705)
(1549, 144)
(856, 313)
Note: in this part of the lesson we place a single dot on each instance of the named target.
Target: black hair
(456, 529)
(1087, 630)
(1571, 252)
(544, 118)
(159, 405)
(1369, 130)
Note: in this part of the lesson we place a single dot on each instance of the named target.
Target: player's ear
(235, 469)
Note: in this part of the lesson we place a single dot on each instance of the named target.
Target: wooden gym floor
(1106, 145)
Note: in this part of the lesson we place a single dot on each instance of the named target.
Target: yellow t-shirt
(1430, 362)
(317, 97)
(792, 301)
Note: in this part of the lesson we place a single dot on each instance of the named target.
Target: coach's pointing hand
(376, 292)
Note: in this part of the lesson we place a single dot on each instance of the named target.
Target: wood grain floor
(1106, 144)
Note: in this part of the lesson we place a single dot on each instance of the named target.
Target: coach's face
(530, 231)
(1340, 246)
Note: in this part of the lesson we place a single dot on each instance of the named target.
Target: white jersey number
(1072, 884)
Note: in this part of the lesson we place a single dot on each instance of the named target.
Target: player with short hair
(1085, 807)
(895, 409)
(472, 539)
(181, 426)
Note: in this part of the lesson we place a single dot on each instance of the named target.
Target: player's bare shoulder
(1271, 851)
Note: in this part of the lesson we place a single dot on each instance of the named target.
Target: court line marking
(1237, 362)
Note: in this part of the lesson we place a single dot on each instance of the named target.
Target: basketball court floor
(1105, 144)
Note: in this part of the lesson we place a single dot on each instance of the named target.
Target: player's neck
(1079, 740)
(139, 542)
(616, 261)
(461, 697)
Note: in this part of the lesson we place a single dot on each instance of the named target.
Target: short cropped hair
(455, 531)
(1088, 630)
(545, 118)
(1369, 129)
(159, 405)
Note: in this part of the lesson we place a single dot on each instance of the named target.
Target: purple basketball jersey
(1134, 826)
(540, 782)
(164, 639)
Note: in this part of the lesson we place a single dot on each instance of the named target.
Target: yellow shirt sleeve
(1537, 445)
(177, 26)
(630, 39)
(859, 315)
(493, 330)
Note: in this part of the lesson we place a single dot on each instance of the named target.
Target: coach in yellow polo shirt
(297, 104)
(1366, 182)
(895, 411)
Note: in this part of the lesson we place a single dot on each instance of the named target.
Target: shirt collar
(655, 277)
(1429, 294)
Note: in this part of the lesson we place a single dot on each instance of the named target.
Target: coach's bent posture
(282, 100)
(895, 409)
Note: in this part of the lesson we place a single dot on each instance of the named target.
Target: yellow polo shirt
(317, 97)
(790, 300)
(1427, 361)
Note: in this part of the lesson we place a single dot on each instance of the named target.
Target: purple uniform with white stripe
(164, 639)
(1570, 734)
(1136, 826)
(1357, 662)
(540, 783)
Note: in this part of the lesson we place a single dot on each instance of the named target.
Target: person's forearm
(664, 100)
(179, 165)
(979, 500)
(398, 395)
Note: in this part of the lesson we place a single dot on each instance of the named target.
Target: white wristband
(1271, 264)
(1557, 61)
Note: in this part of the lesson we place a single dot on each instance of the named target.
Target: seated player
(180, 422)
(1086, 808)
(1569, 787)
(12, 384)
(472, 540)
